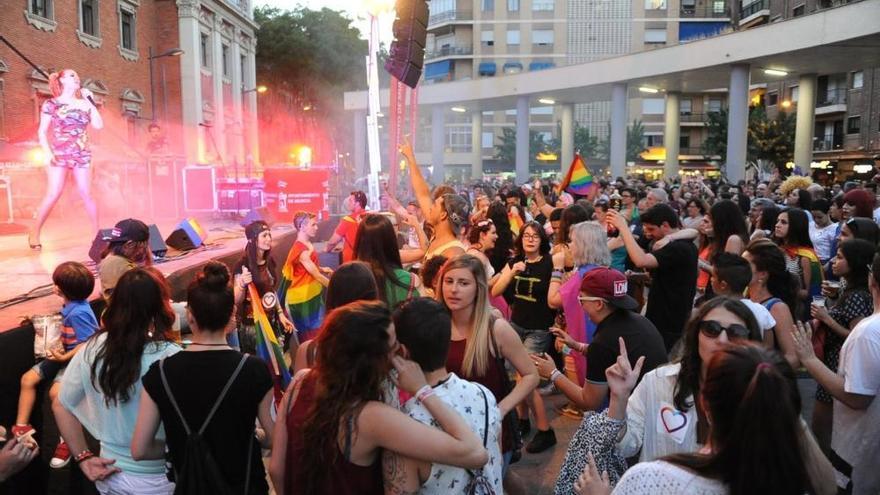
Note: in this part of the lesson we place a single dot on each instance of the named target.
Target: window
(772, 99)
(204, 50)
(653, 140)
(127, 33)
(854, 125)
(797, 11)
(242, 64)
(653, 106)
(542, 5)
(512, 5)
(542, 37)
(41, 14)
(89, 17)
(513, 37)
(794, 94)
(487, 38)
(684, 142)
(685, 106)
(655, 36)
(227, 66)
(858, 79)
(488, 140)
(42, 8)
(655, 4)
(488, 5)
(719, 7)
(714, 105)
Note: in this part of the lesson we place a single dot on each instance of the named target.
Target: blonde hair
(589, 244)
(300, 218)
(476, 353)
(794, 182)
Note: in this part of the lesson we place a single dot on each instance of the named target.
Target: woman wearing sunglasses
(662, 416)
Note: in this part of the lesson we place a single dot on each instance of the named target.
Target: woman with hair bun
(64, 120)
(303, 280)
(180, 391)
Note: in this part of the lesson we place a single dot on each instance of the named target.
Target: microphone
(89, 97)
(205, 124)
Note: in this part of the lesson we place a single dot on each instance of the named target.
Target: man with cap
(129, 247)
(604, 299)
(346, 231)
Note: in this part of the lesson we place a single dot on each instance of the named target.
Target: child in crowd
(731, 275)
(74, 283)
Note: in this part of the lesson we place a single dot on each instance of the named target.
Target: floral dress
(68, 138)
(856, 304)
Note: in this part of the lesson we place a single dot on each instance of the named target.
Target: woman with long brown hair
(376, 245)
(64, 121)
(333, 423)
(101, 388)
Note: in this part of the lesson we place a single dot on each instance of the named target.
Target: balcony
(827, 143)
(705, 12)
(456, 50)
(753, 12)
(690, 151)
(692, 118)
(449, 16)
(831, 101)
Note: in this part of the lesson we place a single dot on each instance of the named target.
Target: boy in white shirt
(731, 275)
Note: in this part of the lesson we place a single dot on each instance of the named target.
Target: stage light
(786, 104)
(645, 89)
(262, 89)
(304, 157)
(775, 72)
(36, 156)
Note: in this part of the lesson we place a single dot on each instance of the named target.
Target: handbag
(479, 484)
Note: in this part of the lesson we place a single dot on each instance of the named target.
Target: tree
(769, 140)
(635, 142)
(584, 142)
(505, 150)
(716, 133)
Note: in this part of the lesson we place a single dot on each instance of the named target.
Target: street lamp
(259, 89)
(174, 52)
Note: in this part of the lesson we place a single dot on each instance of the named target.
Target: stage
(27, 275)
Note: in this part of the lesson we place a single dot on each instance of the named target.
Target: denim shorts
(50, 370)
(535, 341)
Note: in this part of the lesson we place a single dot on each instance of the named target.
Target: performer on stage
(64, 120)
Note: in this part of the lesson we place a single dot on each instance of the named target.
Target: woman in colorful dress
(303, 280)
(64, 120)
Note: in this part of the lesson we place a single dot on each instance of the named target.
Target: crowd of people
(675, 317)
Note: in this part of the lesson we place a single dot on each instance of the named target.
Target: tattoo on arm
(394, 474)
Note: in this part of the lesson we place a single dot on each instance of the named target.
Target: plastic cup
(819, 301)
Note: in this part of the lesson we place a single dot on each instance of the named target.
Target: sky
(354, 8)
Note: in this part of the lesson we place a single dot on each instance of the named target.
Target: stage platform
(27, 274)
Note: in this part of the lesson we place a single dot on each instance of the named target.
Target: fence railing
(450, 15)
(449, 50)
(705, 11)
(831, 97)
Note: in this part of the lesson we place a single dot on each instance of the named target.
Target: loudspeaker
(256, 214)
(407, 53)
(101, 241)
(187, 235)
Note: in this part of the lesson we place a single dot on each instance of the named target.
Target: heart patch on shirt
(672, 422)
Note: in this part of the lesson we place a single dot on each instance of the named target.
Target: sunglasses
(711, 328)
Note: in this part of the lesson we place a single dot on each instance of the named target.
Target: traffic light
(407, 55)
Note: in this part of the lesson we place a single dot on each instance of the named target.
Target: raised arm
(419, 185)
(639, 257)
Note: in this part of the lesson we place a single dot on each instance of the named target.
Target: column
(671, 133)
(190, 79)
(219, 129)
(522, 139)
(360, 144)
(617, 154)
(251, 123)
(238, 151)
(438, 144)
(737, 122)
(476, 144)
(566, 155)
(805, 124)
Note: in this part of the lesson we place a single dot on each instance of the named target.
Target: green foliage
(505, 149)
(771, 140)
(635, 142)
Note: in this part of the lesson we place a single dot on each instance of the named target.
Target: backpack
(200, 474)
(479, 484)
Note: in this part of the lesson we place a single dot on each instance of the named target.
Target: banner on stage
(290, 189)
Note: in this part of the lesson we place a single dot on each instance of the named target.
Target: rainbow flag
(301, 294)
(816, 272)
(268, 347)
(578, 180)
(515, 220)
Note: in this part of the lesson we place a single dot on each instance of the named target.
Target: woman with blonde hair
(481, 343)
(64, 119)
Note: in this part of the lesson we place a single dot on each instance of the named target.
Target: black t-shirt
(640, 336)
(527, 294)
(196, 379)
(673, 286)
(246, 312)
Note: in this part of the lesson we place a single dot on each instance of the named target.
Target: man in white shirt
(731, 275)
(856, 428)
(424, 328)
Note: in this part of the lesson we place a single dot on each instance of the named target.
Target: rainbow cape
(268, 347)
(301, 294)
(816, 275)
(578, 180)
(515, 220)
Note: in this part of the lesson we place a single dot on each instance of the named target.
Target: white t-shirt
(765, 319)
(663, 478)
(465, 398)
(859, 366)
(823, 238)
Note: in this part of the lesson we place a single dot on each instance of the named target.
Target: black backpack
(199, 474)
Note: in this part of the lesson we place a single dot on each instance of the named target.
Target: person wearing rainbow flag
(302, 281)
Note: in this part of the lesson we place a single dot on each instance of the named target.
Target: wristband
(554, 375)
(557, 273)
(85, 454)
(424, 392)
(582, 347)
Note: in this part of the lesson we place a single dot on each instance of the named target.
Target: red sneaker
(61, 457)
(24, 434)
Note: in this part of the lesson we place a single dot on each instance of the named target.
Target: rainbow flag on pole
(579, 180)
(268, 347)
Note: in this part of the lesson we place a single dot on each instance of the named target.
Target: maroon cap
(610, 285)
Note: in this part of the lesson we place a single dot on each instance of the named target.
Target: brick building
(109, 42)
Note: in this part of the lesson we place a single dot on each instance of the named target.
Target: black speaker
(407, 53)
(157, 244)
(187, 235)
(256, 214)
